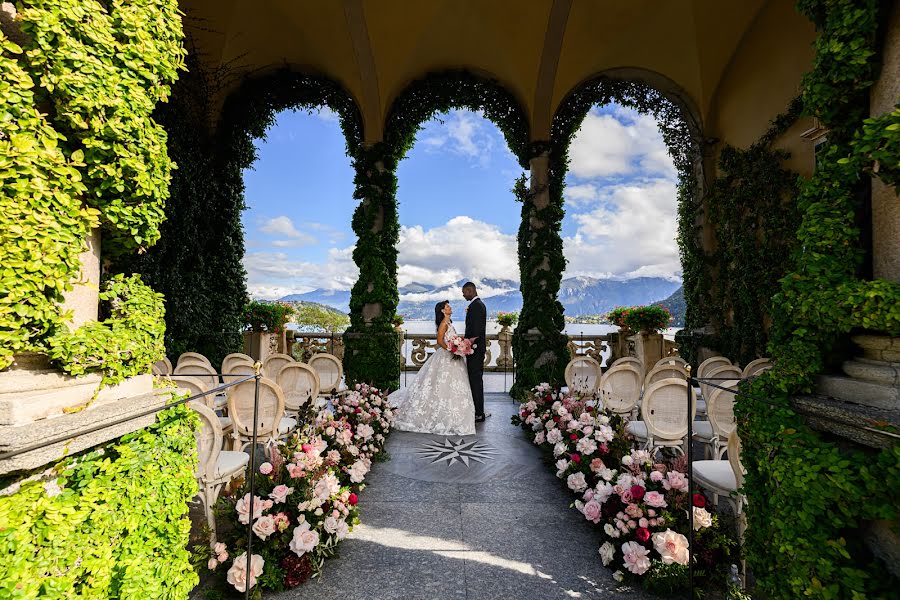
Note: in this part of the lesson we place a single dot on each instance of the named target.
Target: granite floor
(477, 518)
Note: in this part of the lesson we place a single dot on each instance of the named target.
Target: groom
(476, 322)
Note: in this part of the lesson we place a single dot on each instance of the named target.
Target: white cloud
(581, 194)
(269, 273)
(629, 233)
(326, 114)
(462, 249)
(619, 144)
(463, 132)
(283, 226)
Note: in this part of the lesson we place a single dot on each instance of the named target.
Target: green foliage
(316, 317)
(877, 146)
(507, 319)
(79, 150)
(112, 524)
(806, 494)
(651, 318)
(270, 317)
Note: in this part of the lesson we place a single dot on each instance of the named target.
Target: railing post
(690, 469)
(252, 471)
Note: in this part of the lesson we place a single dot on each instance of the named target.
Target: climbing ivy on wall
(80, 150)
(806, 495)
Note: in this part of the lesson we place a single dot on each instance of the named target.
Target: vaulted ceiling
(538, 49)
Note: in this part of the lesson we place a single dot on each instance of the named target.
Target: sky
(458, 215)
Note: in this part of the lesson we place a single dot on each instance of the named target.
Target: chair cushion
(701, 407)
(715, 475)
(703, 431)
(286, 425)
(230, 462)
(221, 401)
(637, 428)
(225, 422)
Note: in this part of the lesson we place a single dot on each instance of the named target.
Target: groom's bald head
(469, 290)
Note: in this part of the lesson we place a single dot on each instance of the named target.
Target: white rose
(607, 552)
(304, 540)
(560, 449)
(672, 547)
(618, 576)
(264, 526)
(702, 518)
(280, 493)
(343, 530)
(627, 460)
(237, 574)
(330, 525)
(576, 482)
(611, 531)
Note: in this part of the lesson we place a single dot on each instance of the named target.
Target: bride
(439, 400)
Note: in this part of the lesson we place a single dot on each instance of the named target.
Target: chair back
(238, 370)
(720, 409)
(718, 376)
(665, 371)
(162, 367)
(329, 370)
(620, 387)
(664, 408)
(583, 375)
(299, 384)
(672, 360)
(195, 386)
(189, 356)
(628, 360)
(711, 363)
(236, 358)
(202, 371)
(271, 408)
(734, 458)
(274, 362)
(209, 441)
(755, 367)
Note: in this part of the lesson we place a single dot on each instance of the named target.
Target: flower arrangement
(651, 319)
(397, 320)
(460, 346)
(617, 316)
(639, 505)
(305, 498)
(507, 319)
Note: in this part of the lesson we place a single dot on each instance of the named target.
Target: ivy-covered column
(371, 341)
(539, 344)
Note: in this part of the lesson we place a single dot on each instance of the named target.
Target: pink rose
(265, 468)
(243, 508)
(656, 476)
(212, 564)
(295, 471)
(672, 547)
(643, 522)
(634, 511)
(655, 499)
(265, 526)
(596, 465)
(280, 493)
(238, 576)
(576, 482)
(304, 539)
(675, 481)
(636, 558)
(592, 511)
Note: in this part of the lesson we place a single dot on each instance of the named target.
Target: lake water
(494, 327)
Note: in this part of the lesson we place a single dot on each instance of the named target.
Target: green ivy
(112, 523)
(808, 496)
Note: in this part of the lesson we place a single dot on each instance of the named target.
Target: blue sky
(458, 217)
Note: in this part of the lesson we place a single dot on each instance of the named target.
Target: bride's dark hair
(439, 312)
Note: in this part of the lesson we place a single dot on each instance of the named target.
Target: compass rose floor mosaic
(470, 517)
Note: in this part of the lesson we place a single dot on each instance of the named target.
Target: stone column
(885, 203)
(84, 299)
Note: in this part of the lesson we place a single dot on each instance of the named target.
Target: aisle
(483, 520)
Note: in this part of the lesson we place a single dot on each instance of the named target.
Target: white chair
(271, 424)
(330, 371)
(717, 376)
(664, 416)
(665, 371)
(187, 357)
(583, 375)
(236, 358)
(238, 370)
(672, 360)
(197, 386)
(724, 477)
(755, 367)
(162, 367)
(206, 374)
(273, 363)
(714, 432)
(620, 388)
(711, 363)
(299, 384)
(628, 360)
(215, 467)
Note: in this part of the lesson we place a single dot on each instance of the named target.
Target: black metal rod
(690, 468)
(149, 411)
(252, 484)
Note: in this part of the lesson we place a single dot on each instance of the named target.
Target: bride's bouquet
(460, 346)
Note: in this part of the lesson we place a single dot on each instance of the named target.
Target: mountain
(676, 305)
(579, 296)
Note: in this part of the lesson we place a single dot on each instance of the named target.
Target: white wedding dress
(439, 400)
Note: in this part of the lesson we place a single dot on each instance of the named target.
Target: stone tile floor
(435, 528)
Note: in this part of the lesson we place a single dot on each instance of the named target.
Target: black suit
(476, 323)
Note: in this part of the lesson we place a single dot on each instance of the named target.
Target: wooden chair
(215, 467)
(206, 374)
(583, 375)
(187, 357)
(197, 386)
(672, 360)
(629, 360)
(665, 371)
(330, 371)
(620, 388)
(718, 375)
(664, 416)
(724, 477)
(299, 384)
(236, 358)
(272, 425)
(273, 363)
(714, 432)
(755, 367)
(238, 370)
(711, 363)
(162, 367)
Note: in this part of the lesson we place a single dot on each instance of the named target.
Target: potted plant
(507, 319)
(264, 327)
(617, 317)
(397, 322)
(647, 319)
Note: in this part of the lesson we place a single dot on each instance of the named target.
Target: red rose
(353, 499)
(556, 419)
(358, 410)
(573, 437)
(306, 447)
(604, 449)
(699, 500)
(642, 533)
(576, 458)
(589, 409)
(637, 492)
